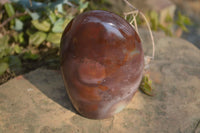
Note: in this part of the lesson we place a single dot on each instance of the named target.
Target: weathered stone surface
(37, 102)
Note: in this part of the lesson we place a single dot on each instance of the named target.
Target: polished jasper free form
(101, 62)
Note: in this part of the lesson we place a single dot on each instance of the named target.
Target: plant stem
(11, 18)
(134, 13)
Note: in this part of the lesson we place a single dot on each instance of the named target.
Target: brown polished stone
(101, 62)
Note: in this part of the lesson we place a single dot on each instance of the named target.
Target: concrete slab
(37, 102)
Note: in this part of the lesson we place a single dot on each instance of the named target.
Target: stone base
(37, 102)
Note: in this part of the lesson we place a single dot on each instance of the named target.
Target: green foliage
(37, 38)
(82, 4)
(4, 47)
(15, 63)
(54, 38)
(58, 25)
(30, 56)
(169, 23)
(17, 49)
(9, 9)
(168, 26)
(154, 20)
(41, 25)
(52, 16)
(99, 5)
(7, 59)
(10, 12)
(3, 67)
(18, 25)
(182, 21)
(146, 84)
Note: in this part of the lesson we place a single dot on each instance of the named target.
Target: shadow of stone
(50, 83)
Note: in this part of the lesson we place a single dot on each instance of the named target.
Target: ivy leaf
(59, 2)
(42, 26)
(54, 38)
(18, 25)
(4, 48)
(58, 26)
(3, 67)
(9, 9)
(40, 6)
(21, 38)
(17, 49)
(60, 8)
(35, 5)
(4, 40)
(34, 15)
(83, 6)
(67, 20)
(37, 38)
(145, 85)
(52, 17)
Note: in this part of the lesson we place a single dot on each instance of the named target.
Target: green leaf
(182, 21)
(34, 15)
(37, 38)
(4, 48)
(83, 6)
(67, 20)
(18, 37)
(17, 49)
(9, 9)
(4, 40)
(52, 17)
(59, 15)
(58, 26)
(166, 29)
(3, 67)
(60, 8)
(54, 38)
(21, 38)
(18, 25)
(30, 56)
(154, 20)
(168, 18)
(15, 63)
(42, 26)
(145, 85)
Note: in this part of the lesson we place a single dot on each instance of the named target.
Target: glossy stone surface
(101, 62)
